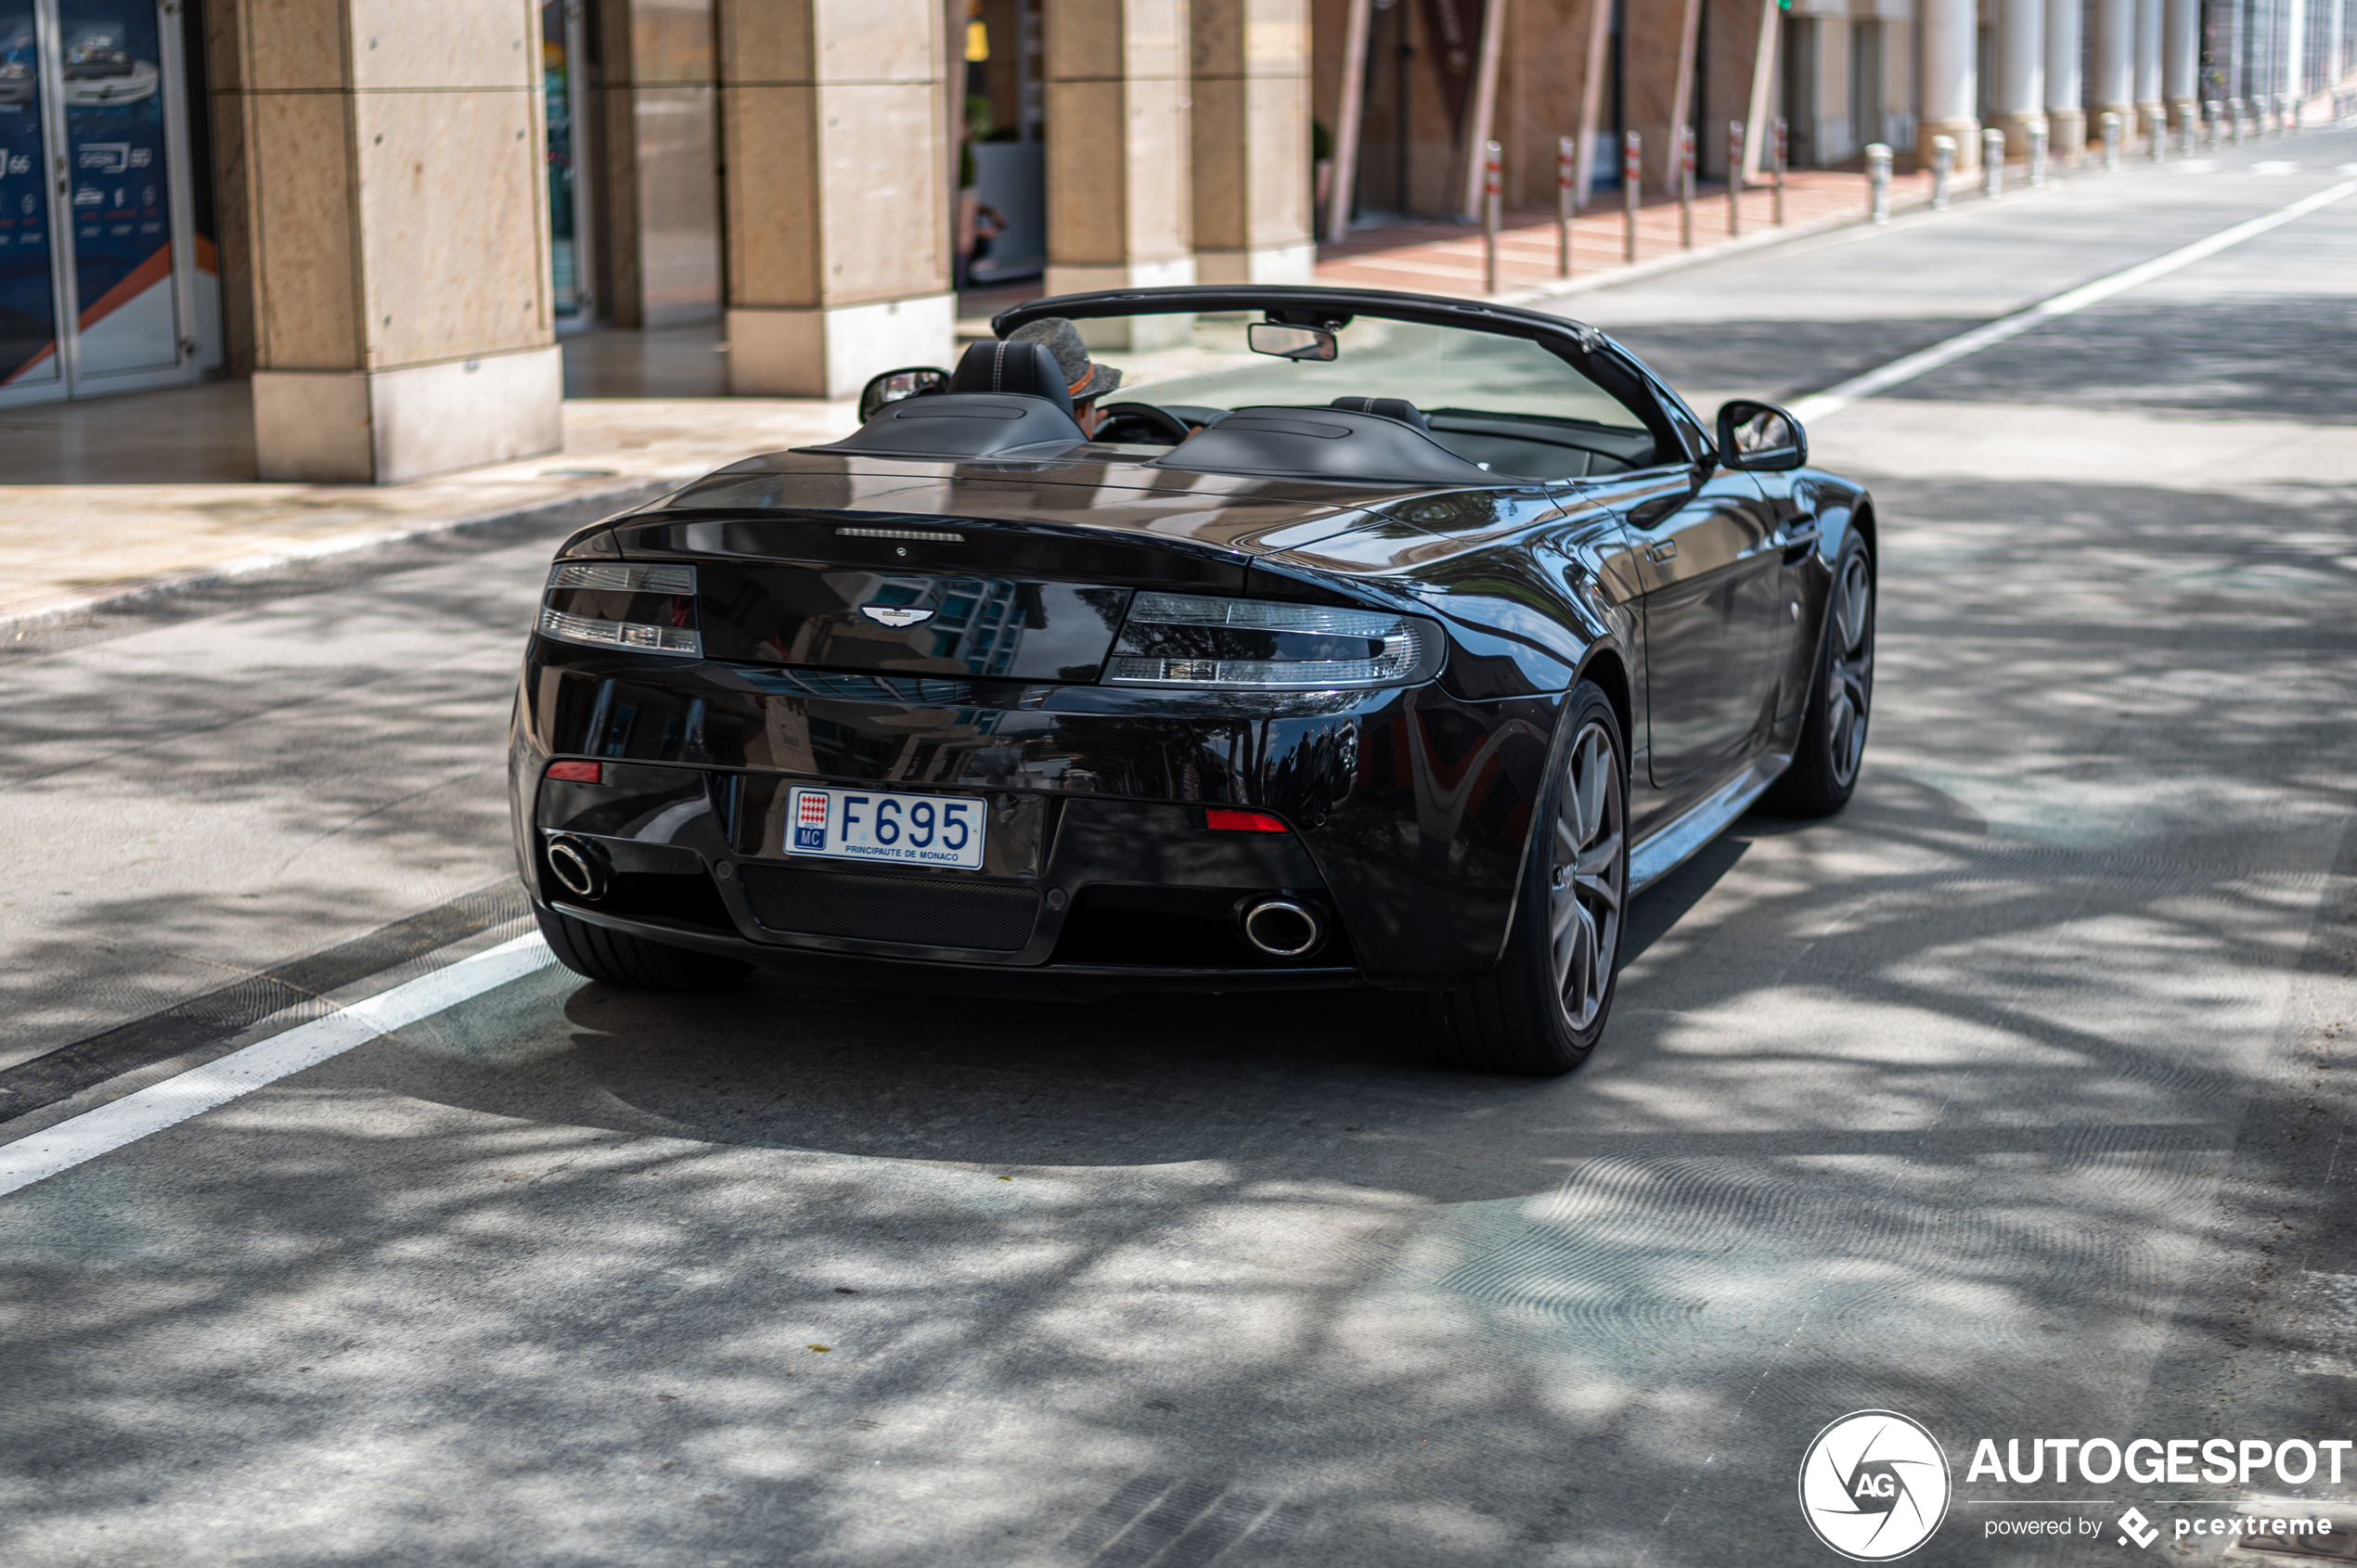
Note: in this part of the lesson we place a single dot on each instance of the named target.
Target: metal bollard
(2160, 149)
(1632, 177)
(1878, 182)
(1944, 165)
(2291, 114)
(2038, 139)
(1686, 186)
(1783, 152)
(1491, 214)
(1992, 163)
(1567, 195)
(2217, 124)
(1735, 150)
(2111, 142)
(2189, 129)
(2234, 109)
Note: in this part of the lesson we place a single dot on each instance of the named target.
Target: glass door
(99, 297)
(28, 362)
(564, 64)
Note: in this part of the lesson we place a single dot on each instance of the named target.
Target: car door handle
(1796, 540)
(1661, 551)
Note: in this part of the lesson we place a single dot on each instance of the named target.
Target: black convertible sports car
(1376, 639)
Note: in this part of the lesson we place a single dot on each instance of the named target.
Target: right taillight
(1194, 639)
(643, 609)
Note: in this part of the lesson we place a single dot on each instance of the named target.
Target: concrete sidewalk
(173, 501)
(1438, 256)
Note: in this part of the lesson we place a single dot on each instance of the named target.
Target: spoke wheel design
(1851, 670)
(1588, 880)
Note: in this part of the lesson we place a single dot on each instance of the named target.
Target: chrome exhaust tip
(1284, 929)
(578, 866)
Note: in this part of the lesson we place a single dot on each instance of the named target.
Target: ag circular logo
(1873, 1485)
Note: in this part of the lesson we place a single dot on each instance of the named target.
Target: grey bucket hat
(1083, 377)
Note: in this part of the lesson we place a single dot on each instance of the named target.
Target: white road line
(1833, 400)
(265, 1061)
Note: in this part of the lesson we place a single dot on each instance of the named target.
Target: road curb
(552, 512)
(1905, 213)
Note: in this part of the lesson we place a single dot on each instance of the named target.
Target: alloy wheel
(1590, 879)
(1851, 670)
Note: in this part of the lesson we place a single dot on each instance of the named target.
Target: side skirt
(1665, 851)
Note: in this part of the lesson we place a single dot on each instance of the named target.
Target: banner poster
(122, 222)
(28, 303)
(1452, 30)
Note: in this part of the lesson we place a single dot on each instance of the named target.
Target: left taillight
(643, 609)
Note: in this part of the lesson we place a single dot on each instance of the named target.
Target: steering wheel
(1140, 424)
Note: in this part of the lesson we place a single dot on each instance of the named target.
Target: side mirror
(894, 386)
(1292, 343)
(1761, 437)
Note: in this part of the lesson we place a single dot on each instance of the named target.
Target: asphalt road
(2015, 1098)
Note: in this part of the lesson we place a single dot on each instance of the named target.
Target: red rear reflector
(1228, 819)
(578, 773)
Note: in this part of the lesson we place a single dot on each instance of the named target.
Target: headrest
(1397, 408)
(1025, 369)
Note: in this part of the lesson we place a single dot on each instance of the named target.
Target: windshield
(1505, 403)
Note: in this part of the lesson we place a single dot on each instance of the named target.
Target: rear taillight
(578, 773)
(1230, 819)
(1192, 639)
(644, 608)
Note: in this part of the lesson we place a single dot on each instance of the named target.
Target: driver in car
(1083, 377)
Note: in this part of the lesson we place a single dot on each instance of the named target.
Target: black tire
(632, 963)
(1841, 693)
(1543, 1009)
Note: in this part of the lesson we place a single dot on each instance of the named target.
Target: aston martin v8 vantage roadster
(1370, 640)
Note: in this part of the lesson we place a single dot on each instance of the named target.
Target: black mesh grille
(920, 911)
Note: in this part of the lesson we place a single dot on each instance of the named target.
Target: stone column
(2181, 57)
(1730, 48)
(1657, 79)
(2148, 56)
(1543, 75)
(835, 135)
(2065, 82)
(1120, 190)
(661, 213)
(2021, 71)
(1249, 151)
(387, 166)
(2113, 88)
(1951, 81)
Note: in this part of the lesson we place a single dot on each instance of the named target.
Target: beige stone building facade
(386, 214)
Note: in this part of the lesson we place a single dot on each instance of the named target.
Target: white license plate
(887, 825)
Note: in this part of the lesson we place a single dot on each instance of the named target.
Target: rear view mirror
(1761, 437)
(894, 385)
(1292, 343)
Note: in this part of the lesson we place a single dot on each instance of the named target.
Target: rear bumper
(1056, 982)
(1408, 807)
